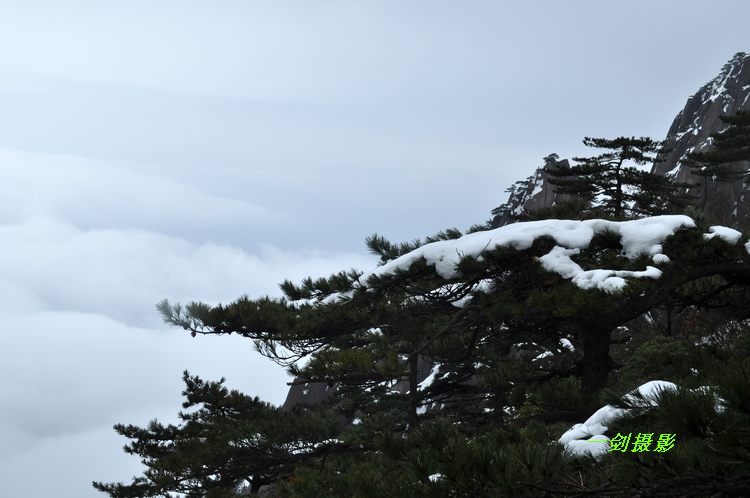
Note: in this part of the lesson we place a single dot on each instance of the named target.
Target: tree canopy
(612, 182)
(453, 365)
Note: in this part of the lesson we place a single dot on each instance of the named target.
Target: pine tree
(613, 186)
(728, 148)
(492, 327)
(226, 443)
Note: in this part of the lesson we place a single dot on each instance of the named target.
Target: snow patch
(729, 235)
(543, 355)
(558, 261)
(595, 446)
(427, 382)
(487, 286)
(576, 438)
(637, 237)
(567, 344)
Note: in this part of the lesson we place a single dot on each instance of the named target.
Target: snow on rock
(543, 355)
(564, 344)
(567, 344)
(637, 237)
(576, 438)
(729, 235)
(427, 382)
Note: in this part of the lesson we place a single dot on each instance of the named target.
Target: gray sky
(202, 150)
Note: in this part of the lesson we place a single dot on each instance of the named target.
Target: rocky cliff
(722, 203)
(535, 192)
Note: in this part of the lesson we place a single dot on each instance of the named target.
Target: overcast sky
(201, 150)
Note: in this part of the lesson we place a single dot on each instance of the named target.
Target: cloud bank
(87, 250)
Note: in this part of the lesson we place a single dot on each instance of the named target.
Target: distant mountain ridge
(726, 203)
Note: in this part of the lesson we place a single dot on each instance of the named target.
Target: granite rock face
(725, 203)
(312, 393)
(307, 393)
(535, 192)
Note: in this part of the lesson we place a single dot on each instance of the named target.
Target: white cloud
(66, 372)
(65, 465)
(82, 346)
(52, 264)
(68, 377)
(93, 193)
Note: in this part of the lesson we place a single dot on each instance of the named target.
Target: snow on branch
(728, 235)
(579, 439)
(637, 237)
(590, 439)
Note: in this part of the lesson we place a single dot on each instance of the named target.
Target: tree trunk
(413, 393)
(618, 193)
(669, 308)
(596, 363)
(255, 486)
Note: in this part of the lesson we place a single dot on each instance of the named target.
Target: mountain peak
(691, 131)
(731, 73)
(738, 58)
(723, 203)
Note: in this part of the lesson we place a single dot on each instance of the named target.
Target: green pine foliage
(573, 209)
(510, 370)
(225, 441)
(504, 387)
(613, 185)
(712, 428)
